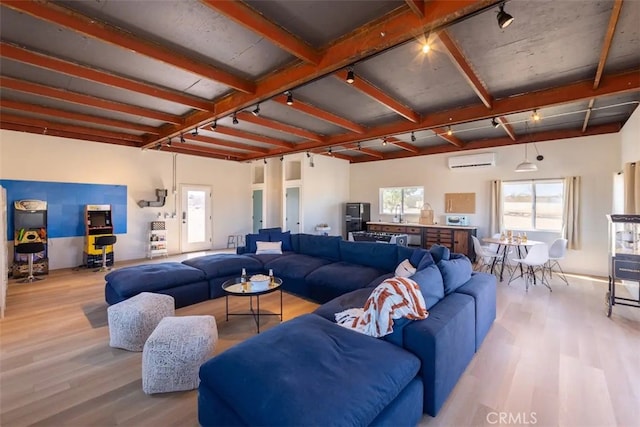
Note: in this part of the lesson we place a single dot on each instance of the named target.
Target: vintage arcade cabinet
(97, 223)
(30, 226)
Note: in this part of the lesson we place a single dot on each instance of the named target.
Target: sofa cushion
(327, 247)
(405, 269)
(265, 258)
(130, 281)
(431, 285)
(425, 261)
(413, 254)
(455, 272)
(270, 230)
(285, 238)
(439, 252)
(335, 279)
(251, 239)
(482, 287)
(376, 255)
(268, 248)
(218, 265)
(302, 375)
(295, 266)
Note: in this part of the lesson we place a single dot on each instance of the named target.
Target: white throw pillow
(269, 248)
(404, 269)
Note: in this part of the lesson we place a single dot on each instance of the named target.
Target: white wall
(68, 160)
(274, 193)
(630, 137)
(594, 158)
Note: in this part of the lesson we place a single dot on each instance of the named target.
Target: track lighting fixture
(329, 152)
(384, 141)
(265, 161)
(169, 141)
(281, 158)
(235, 119)
(535, 116)
(159, 146)
(289, 97)
(449, 131)
(214, 125)
(308, 155)
(426, 48)
(256, 112)
(181, 139)
(504, 19)
(194, 132)
(351, 77)
(495, 123)
(413, 137)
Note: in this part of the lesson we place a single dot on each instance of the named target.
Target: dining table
(520, 245)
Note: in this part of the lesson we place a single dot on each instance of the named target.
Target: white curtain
(632, 188)
(496, 208)
(571, 230)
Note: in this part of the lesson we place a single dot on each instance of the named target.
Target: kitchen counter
(415, 224)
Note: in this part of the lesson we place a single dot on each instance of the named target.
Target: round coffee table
(238, 287)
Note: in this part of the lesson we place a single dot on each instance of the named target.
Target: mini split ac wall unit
(472, 161)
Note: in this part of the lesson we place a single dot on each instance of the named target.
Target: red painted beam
(379, 96)
(608, 38)
(339, 156)
(79, 98)
(59, 15)
(253, 137)
(322, 115)
(244, 15)
(402, 144)
(462, 64)
(199, 153)
(451, 139)
(81, 130)
(368, 151)
(64, 134)
(416, 6)
(506, 126)
(279, 126)
(84, 72)
(62, 114)
(208, 150)
(225, 143)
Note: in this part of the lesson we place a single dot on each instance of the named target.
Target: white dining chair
(557, 251)
(485, 257)
(535, 261)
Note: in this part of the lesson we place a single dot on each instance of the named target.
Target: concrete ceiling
(147, 74)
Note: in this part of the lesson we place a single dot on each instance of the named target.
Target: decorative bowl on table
(259, 282)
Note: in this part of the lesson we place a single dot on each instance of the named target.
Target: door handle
(184, 217)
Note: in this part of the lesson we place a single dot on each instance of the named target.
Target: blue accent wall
(66, 202)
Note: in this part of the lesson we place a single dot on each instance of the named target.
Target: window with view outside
(533, 205)
(401, 200)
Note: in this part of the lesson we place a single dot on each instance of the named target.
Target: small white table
(504, 244)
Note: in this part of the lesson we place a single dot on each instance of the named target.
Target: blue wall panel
(66, 202)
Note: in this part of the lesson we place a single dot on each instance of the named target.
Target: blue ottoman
(187, 285)
(296, 374)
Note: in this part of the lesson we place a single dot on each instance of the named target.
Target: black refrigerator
(356, 217)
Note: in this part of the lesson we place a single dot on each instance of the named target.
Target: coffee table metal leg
(281, 305)
(226, 303)
(258, 314)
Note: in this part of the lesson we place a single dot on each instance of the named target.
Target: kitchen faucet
(398, 214)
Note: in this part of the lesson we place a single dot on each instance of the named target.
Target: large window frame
(401, 200)
(543, 215)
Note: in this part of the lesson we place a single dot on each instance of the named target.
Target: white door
(196, 218)
(292, 206)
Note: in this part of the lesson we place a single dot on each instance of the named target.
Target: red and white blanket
(394, 298)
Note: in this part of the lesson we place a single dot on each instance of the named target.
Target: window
(401, 200)
(533, 205)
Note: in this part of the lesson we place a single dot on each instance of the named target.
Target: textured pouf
(133, 320)
(174, 352)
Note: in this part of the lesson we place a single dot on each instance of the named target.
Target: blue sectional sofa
(296, 369)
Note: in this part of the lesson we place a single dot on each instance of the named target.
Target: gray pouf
(133, 320)
(174, 352)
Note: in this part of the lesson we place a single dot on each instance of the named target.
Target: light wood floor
(550, 359)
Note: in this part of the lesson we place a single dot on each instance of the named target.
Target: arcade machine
(30, 226)
(97, 223)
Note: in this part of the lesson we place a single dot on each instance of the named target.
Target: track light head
(449, 131)
(235, 119)
(535, 116)
(504, 19)
(495, 123)
(214, 125)
(281, 158)
(159, 146)
(256, 112)
(181, 139)
(384, 141)
(265, 161)
(330, 152)
(351, 77)
(194, 132)
(289, 97)
(413, 137)
(169, 142)
(426, 48)
(308, 155)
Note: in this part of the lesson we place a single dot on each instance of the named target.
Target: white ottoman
(132, 321)
(174, 352)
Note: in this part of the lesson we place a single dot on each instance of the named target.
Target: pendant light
(526, 166)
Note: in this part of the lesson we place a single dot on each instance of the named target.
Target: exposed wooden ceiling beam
(81, 130)
(279, 126)
(402, 144)
(416, 6)
(608, 38)
(25, 56)
(587, 116)
(398, 27)
(201, 149)
(462, 64)
(451, 139)
(506, 126)
(253, 137)
(64, 134)
(79, 98)
(378, 95)
(199, 153)
(322, 115)
(339, 156)
(55, 112)
(504, 141)
(52, 12)
(244, 15)
(368, 151)
(225, 143)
